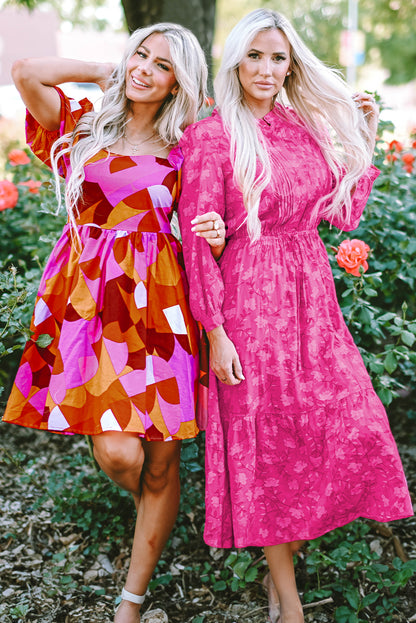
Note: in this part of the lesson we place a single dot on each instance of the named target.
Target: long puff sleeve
(359, 200)
(202, 191)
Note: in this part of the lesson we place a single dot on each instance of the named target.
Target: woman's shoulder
(207, 129)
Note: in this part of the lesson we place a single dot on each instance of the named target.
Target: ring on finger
(216, 225)
(218, 233)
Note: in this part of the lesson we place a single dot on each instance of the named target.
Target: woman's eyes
(256, 56)
(144, 55)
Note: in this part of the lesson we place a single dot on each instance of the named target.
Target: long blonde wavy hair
(321, 98)
(99, 130)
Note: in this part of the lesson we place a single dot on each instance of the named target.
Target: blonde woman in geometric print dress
(122, 365)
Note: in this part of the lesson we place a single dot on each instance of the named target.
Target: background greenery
(388, 25)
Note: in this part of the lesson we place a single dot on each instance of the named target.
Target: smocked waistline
(241, 234)
(125, 229)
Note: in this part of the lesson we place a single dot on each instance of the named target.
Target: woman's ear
(175, 90)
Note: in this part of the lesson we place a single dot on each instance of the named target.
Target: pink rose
(9, 195)
(352, 254)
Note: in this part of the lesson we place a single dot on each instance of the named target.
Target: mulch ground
(52, 572)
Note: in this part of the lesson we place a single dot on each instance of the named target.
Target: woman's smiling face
(149, 73)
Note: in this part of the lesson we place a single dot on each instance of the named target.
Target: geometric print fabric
(124, 347)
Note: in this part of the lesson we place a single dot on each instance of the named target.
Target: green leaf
(365, 315)
(369, 599)
(353, 598)
(241, 567)
(370, 291)
(390, 362)
(377, 367)
(251, 574)
(44, 340)
(407, 338)
(219, 586)
(343, 614)
(385, 395)
(386, 317)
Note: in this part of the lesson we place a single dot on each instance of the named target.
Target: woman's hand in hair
(211, 227)
(105, 71)
(371, 111)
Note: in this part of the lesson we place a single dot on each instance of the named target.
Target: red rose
(18, 156)
(352, 254)
(9, 195)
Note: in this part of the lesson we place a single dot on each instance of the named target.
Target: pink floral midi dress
(303, 445)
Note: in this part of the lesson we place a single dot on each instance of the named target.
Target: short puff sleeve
(41, 140)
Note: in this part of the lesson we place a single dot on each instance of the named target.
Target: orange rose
(395, 146)
(18, 156)
(408, 160)
(9, 195)
(352, 254)
(32, 185)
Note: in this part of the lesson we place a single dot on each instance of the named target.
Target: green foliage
(234, 572)
(341, 564)
(28, 232)
(380, 305)
(83, 496)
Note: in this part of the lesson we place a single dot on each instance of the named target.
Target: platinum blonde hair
(99, 130)
(321, 98)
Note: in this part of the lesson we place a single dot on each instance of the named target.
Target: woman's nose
(265, 66)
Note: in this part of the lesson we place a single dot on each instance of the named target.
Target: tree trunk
(197, 15)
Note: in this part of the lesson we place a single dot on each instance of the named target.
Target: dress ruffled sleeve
(41, 140)
(359, 200)
(202, 191)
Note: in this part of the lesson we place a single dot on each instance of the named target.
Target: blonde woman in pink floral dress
(297, 441)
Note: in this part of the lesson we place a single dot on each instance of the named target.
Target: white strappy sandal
(135, 599)
(151, 616)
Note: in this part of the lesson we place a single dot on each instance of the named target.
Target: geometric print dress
(123, 352)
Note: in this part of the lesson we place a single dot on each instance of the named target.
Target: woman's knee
(160, 471)
(119, 452)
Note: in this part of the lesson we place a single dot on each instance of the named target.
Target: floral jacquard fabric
(123, 352)
(303, 445)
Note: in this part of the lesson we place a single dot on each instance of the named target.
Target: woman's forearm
(51, 71)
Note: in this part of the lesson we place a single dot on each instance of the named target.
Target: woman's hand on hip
(211, 227)
(224, 359)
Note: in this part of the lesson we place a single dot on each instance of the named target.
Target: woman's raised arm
(35, 78)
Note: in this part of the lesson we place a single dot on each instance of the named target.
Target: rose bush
(379, 305)
(27, 234)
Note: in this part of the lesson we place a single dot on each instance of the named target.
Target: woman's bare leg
(156, 495)
(280, 561)
(272, 594)
(121, 457)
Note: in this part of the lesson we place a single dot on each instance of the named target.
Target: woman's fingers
(211, 227)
